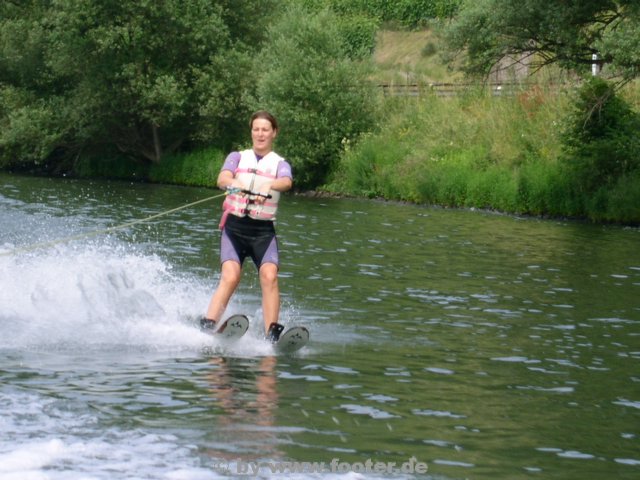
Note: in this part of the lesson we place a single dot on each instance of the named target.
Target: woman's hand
(264, 193)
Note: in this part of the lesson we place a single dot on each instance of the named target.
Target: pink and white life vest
(253, 174)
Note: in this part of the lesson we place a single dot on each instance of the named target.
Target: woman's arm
(225, 179)
(282, 184)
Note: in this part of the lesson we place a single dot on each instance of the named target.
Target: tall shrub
(318, 92)
(602, 142)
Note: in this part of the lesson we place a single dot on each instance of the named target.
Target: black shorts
(244, 237)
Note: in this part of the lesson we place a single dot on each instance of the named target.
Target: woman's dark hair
(263, 114)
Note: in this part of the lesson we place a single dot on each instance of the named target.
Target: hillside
(411, 57)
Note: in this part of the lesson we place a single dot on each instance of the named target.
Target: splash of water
(90, 296)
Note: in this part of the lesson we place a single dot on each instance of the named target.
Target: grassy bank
(469, 150)
(478, 150)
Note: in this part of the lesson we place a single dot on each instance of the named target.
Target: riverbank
(480, 151)
(474, 151)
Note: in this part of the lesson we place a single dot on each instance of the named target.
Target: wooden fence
(450, 89)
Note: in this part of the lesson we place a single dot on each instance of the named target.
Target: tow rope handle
(232, 190)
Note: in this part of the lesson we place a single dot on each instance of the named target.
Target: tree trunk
(156, 143)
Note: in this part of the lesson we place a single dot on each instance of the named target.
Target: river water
(467, 344)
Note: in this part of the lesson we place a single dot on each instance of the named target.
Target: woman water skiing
(254, 178)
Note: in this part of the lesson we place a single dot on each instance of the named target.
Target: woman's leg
(270, 294)
(229, 280)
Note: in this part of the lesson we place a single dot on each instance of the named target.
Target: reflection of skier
(247, 410)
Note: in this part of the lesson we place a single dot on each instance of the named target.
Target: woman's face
(262, 135)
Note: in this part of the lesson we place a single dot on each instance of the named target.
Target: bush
(601, 142)
(319, 94)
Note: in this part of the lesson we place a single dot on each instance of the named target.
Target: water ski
(232, 328)
(293, 339)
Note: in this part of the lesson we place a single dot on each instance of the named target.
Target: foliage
(568, 33)
(197, 168)
(119, 81)
(503, 153)
(29, 127)
(622, 200)
(110, 165)
(317, 92)
(621, 44)
(359, 35)
(416, 13)
(601, 140)
(405, 13)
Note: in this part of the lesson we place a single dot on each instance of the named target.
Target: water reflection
(246, 398)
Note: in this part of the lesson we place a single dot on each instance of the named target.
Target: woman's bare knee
(269, 274)
(230, 274)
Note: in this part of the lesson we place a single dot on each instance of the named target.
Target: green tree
(145, 76)
(320, 94)
(567, 32)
